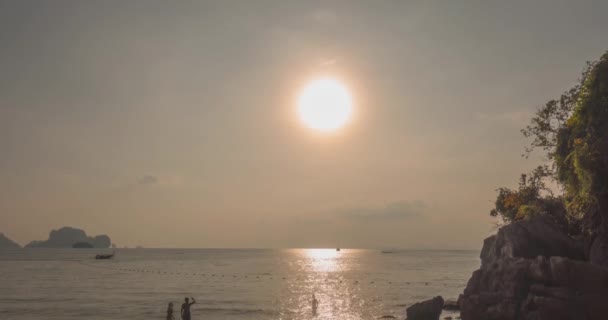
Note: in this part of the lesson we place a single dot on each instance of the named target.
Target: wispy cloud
(390, 212)
(328, 62)
(324, 16)
(147, 179)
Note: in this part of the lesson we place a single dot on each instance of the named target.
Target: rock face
(531, 270)
(6, 243)
(426, 310)
(598, 252)
(66, 237)
(539, 236)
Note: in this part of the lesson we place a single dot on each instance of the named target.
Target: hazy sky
(173, 123)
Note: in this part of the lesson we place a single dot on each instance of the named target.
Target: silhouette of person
(170, 312)
(186, 308)
(315, 304)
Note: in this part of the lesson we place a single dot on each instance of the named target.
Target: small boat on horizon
(105, 256)
(337, 249)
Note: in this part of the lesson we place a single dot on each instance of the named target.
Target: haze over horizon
(175, 125)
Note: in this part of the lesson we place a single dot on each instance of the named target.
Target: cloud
(390, 212)
(324, 16)
(147, 179)
(328, 62)
(392, 225)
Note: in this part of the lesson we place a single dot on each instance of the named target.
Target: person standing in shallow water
(186, 308)
(170, 312)
(315, 304)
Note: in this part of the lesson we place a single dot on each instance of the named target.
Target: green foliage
(549, 121)
(527, 200)
(532, 197)
(581, 153)
(545, 126)
(572, 131)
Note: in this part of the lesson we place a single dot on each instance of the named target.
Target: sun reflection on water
(323, 260)
(324, 273)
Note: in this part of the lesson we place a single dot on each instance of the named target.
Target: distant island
(6, 243)
(82, 245)
(68, 237)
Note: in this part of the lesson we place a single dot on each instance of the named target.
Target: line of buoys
(270, 276)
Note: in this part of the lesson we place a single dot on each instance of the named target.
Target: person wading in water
(186, 308)
(170, 312)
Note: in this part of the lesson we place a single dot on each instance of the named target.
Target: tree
(581, 152)
(532, 197)
(549, 120)
(572, 131)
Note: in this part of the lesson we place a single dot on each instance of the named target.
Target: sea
(66, 284)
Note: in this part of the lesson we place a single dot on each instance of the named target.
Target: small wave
(235, 311)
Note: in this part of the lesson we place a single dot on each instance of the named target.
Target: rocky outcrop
(426, 310)
(66, 237)
(6, 243)
(531, 270)
(539, 236)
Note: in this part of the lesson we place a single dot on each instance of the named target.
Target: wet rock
(426, 310)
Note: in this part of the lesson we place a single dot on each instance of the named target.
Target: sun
(325, 105)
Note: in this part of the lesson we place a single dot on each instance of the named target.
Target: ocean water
(226, 283)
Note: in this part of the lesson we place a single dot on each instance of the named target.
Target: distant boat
(337, 249)
(105, 256)
(388, 251)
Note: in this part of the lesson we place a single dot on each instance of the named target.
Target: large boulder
(6, 243)
(536, 289)
(426, 310)
(532, 271)
(538, 236)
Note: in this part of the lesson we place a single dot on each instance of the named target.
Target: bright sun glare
(325, 105)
